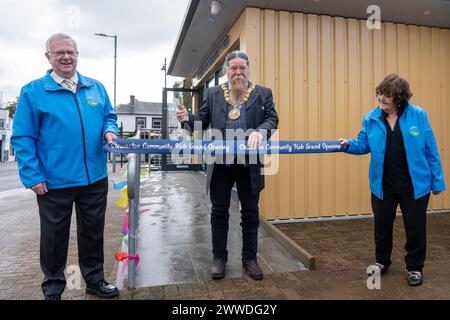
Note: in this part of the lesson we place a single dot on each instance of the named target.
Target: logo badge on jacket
(92, 102)
(414, 131)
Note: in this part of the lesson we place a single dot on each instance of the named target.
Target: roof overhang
(201, 30)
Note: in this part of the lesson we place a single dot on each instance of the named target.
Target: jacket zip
(83, 136)
(383, 128)
(406, 156)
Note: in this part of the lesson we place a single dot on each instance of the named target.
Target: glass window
(223, 79)
(2, 123)
(156, 123)
(141, 123)
(210, 82)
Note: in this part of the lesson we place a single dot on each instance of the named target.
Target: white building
(148, 115)
(6, 123)
(139, 114)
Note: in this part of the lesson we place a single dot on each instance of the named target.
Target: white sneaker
(376, 268)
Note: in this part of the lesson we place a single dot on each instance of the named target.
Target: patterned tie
(69, 84)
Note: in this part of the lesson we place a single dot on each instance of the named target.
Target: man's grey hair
(233, 55)
(57, 36)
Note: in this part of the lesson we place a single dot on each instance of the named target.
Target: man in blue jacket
(61, 122)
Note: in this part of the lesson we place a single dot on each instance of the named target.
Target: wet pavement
(20, 272)
(176, 253)
(175, 234)
(343, 250)
(9, 177)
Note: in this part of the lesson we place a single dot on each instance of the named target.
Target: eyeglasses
(63, 53)
(236, 54)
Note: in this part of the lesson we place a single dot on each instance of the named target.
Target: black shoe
(376, 268)
(102, 289)
(218, 268)
(415, 278)
(53, 297)
(253, 269)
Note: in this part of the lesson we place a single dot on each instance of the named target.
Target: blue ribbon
(164, 146)
(119, 185)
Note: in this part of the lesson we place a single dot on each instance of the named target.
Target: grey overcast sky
(146, 31)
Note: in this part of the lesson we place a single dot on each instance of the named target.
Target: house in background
(147, 115)
(6, 123)
(139, 114)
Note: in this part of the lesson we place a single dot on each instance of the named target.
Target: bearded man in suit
(235, 106)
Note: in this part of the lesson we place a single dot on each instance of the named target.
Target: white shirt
(68, 83)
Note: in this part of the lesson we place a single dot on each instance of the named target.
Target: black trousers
(414, 219)
(222, 181)
(55, 211)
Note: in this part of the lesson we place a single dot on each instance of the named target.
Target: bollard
(133, 203)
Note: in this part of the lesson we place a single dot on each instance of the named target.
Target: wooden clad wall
(323, 72)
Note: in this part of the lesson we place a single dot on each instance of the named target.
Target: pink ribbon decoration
(122, 256)
(136, 259)
(125, 229)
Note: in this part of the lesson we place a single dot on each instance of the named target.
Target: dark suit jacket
(260, 114)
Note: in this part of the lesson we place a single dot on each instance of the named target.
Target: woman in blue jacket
(405, 167)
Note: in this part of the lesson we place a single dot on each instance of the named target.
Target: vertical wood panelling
(402, 51)
(390, 48)
(326, 123)
(298, 191)
(367, 99)
(353, 91)
(414, 60)
(312, 111)
(251, 42)
(341, 175)
(436, 99)
(445, 132)
(425, 71)
(323, 72)
(270, 204)
(284, 84)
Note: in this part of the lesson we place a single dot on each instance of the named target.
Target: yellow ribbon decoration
(123, 202)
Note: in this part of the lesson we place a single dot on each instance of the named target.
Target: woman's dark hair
(395, 87)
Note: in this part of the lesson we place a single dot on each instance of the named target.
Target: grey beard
(237, 89)
(236, 93)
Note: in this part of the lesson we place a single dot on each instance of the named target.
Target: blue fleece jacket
(58, 135)
(422, 154)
